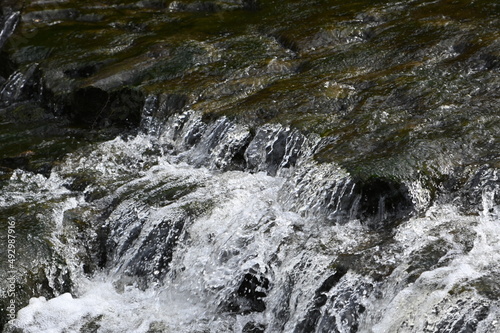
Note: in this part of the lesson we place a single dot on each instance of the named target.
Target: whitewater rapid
(192, 248)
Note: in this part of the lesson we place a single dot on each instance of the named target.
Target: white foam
(254, 223)
(100, 304)
(418, 306)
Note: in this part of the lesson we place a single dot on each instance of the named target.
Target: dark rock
(212, 6)
(9, 6)
(48, 16)
(483, 181)
(287, 41)
(237, 154)
(21, 86)
(205, 6)
(79, 183)
(249, 297)
(282, 310)
(309, 323)
(20, 162)
(383, 202)
(487, 61)
(28, 54)
(82, 72)
(275, 153)
(252, 327)
(217, 148)
(469, 316)
(35, 284)
(151, 4)
(25, 113)
(94, 107)
(250, 4)
(157, 110)
(272, 149)
(170, 104)
(7, 27)
(427, 258)
(151, 257)
(344, 308)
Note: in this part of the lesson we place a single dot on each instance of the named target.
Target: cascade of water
(225, 145)
(160, 239)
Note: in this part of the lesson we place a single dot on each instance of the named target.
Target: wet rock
(344, 309)
(287, 41)
(157, 110)
(205, 6)
(464, 318)
(486, 286)
(383, 203)
(252, 327)
(21, 162)
(328, 191)
(28, 54)
(320, 298)
(384, 92)
(151, 4)
(47, 280)
(7, 26)
(82, 72)
(337, 37)
(152, 260)
(142, 248)
(8, 6)
(249, 297)
(427, 258)
(273, 148)
(21, 86)
(26, 160)
(94, 107)
(221, 145)
(51, 15)
(281, 311)
(486, 62)
(212, 6)
(25, 113)
(481, 193)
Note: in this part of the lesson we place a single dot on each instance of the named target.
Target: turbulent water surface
(249, 166)
(194, 249)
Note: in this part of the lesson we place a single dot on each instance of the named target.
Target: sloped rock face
(397, 88)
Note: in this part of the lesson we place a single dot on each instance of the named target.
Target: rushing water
(152, 235)
(296, 166)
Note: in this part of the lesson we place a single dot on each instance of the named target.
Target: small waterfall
(249, 166)
(195, 226)
(224, 145)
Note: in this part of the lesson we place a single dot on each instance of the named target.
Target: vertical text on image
(11, 260)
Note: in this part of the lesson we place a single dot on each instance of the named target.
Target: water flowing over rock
(9, 24)
(249, 166)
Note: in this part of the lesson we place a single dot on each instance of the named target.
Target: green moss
(390, 68)
(165, 195)
(485, 286)
(198, 208)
